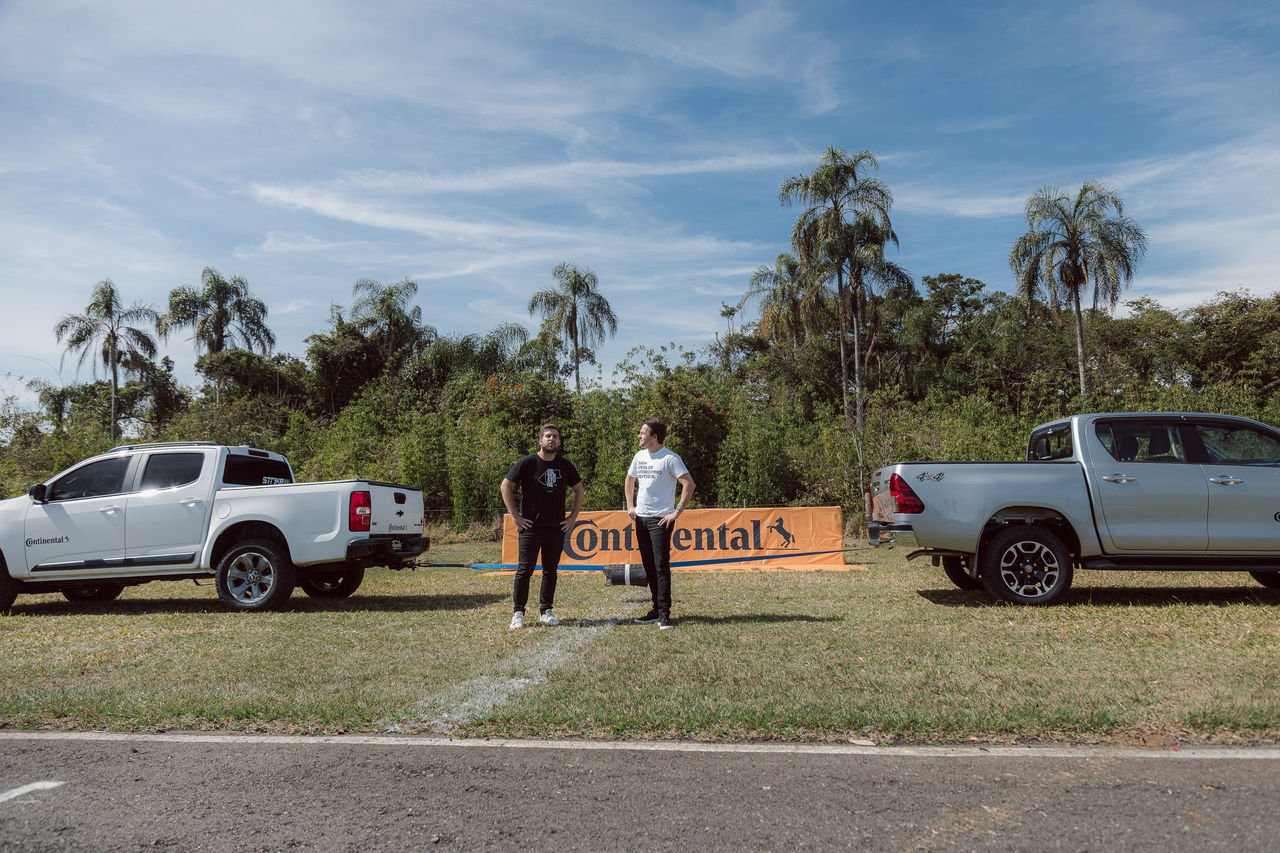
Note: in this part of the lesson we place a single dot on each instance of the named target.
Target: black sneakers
(665, 623)
(648, 619)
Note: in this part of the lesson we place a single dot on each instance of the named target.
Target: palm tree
(1073, 243)
(793, 301)
(864, 253)
(223, 312)
(836, 195)
(576, 308)
(105, 324)
(381, 312)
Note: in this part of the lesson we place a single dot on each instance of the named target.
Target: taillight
(907, 500)
(361, 512)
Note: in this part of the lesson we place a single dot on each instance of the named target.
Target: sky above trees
(473, 146)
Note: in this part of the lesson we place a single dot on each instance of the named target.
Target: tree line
(833, 361)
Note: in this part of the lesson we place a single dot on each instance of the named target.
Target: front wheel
(8, 589)
(339, 584)
(958, 574)
(1268, 579)
(1023, 564)
(82, 592)
(255, 575)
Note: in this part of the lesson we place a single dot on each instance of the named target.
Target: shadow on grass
(299, 603)
(747, 618)
(1116, 596)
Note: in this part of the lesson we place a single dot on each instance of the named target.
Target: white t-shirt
(656, 475)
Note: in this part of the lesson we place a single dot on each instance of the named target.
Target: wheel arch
(228, 538)
(1034, 516)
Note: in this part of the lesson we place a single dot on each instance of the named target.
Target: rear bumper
(385, 550)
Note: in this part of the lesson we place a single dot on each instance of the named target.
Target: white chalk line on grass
(476, 698)
(28, 789)
(1078, 753)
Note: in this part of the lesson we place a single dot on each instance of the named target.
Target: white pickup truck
(1154, 490)
(181, 510)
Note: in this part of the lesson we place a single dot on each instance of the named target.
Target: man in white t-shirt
(655, 511)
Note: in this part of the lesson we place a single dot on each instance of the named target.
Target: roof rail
(165, 444)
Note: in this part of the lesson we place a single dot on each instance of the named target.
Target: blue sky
(472, 146)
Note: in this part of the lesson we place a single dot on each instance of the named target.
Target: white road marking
(899, 752)
(27, 789)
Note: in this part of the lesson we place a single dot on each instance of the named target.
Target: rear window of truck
(255, 471)
(1051, 442)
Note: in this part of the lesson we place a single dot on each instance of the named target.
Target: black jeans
(654, 541)
(550, 541)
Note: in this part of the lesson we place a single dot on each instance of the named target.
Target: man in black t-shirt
(543, 478)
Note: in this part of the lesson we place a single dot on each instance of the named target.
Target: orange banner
(706, 539)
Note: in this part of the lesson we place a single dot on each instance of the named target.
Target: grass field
(890, 654)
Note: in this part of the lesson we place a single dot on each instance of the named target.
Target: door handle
(1226, 480)
(107, 510)
(190, 501)
(1118, 478)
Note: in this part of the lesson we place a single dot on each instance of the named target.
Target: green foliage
(754, 465)
(488, 425)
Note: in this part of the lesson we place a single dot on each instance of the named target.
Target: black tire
(958, 574)
(83, 592)
(8, 589)
(1023, 564)
(339, 584)
(255, 575)
(1267, 579)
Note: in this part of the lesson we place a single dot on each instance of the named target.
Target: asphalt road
(238, 793)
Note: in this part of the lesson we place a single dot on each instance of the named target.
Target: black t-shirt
(542, 487)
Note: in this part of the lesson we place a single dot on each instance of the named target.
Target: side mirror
(37, 492)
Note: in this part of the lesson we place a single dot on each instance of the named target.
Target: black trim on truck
(377, 550)
(117, 562)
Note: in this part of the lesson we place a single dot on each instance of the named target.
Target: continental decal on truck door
(57, 540)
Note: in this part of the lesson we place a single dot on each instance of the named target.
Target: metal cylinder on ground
(625, 574)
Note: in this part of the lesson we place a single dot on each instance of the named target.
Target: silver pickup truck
(1161, 491)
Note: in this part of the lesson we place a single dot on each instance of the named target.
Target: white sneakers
(549, 619)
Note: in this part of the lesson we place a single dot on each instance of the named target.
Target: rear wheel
(81, 592)
(1271, 579)
(1023, 564)
(339, 584)
(255, 575)
(958, 574)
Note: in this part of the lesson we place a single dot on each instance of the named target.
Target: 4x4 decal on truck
(925, 475)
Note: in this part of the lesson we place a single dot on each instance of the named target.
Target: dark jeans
(550, 541)
(654, 542)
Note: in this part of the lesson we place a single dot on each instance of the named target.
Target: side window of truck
(1231, 445)
(168, 470)
(1136, 442)
(255, 471)
(105, 477)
